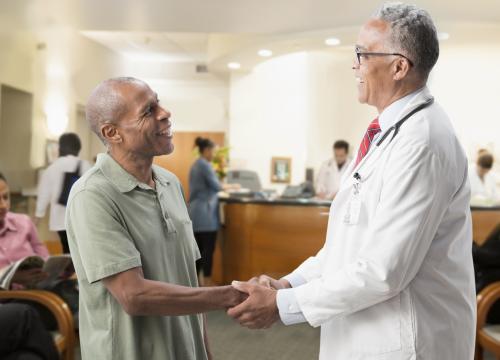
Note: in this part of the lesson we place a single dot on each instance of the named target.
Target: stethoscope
(396, 127)
(395, 130)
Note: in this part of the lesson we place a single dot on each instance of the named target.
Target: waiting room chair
(64, 338)
(487, 336)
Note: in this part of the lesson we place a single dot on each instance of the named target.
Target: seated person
(487, 268)
(482, 181)
(23, 336)
(18, 239)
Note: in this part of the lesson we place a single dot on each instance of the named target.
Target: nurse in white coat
(394, 280)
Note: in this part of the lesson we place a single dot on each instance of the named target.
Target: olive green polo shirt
(116, 223)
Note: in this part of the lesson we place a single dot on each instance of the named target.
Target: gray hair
(106, 104)
(412, 33)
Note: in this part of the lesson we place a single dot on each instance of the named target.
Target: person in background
(332, 170)
(51, 185)
(19, 239)
(23, 336)
(482, 181)
(204, 206)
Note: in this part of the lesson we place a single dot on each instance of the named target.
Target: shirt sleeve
(289, 308)
(99, 236)
(211, 178)
(38, 247)
(408, 214)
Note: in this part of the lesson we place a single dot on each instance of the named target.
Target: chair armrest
(485, 300)
(54, 304)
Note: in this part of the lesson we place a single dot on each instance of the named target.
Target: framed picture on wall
(281, 170)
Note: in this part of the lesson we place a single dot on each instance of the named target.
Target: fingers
(244, 287)
(239, 310)
(265, 280)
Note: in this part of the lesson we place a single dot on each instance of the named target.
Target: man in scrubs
(394, 280)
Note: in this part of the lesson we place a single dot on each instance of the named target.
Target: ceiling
(217, 31)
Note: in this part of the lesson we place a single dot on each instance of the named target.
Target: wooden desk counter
(262, 237)
(273, 239)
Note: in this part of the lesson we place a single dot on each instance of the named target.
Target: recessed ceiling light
(234, 65)
(265, 53)
(333, 41)
(443, 36)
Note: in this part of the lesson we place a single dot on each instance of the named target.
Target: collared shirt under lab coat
(397, 283)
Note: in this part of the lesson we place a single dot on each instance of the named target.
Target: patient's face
(4, 200)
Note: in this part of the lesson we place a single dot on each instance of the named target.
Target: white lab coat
(50, 187)
(399, 283)
(329, 176)
(482, 191)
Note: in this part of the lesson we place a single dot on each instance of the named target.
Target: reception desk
(274, 237)
(270, 237)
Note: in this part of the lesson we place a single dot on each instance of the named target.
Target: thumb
(242, 286)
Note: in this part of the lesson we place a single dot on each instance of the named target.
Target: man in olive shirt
(131, 238)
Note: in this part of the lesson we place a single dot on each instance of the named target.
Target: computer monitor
(246, 178)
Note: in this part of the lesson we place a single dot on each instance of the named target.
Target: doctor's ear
(400, 68)
(110, 133)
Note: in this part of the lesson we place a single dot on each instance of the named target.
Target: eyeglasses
(360, 54)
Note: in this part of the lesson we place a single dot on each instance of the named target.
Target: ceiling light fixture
(333, 41)
(234, 65)
(443, 36)
(265, 52)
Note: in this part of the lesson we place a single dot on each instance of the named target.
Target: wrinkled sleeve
(99, 236)
(407, 217)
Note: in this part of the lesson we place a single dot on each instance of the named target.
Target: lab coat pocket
(377, 329)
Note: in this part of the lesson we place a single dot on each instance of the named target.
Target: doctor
(394, 279)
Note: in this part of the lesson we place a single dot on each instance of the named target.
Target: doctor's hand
(270, 283)
(259, 310)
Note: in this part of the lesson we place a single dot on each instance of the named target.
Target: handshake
(259, 310)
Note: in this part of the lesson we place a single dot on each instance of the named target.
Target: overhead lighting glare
(265, 53)
(443, 36)
(234, 65)
(332, 41)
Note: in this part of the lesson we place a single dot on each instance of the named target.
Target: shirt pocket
(377, 329)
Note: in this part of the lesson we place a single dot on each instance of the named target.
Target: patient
(18, 239)
(23, 336)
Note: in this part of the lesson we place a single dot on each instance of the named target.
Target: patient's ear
(110, 133)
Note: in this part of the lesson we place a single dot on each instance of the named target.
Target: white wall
(196, 104)
(294, 106)
(297, 105)
(466, 81)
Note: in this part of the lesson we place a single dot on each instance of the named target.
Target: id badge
(351, 216)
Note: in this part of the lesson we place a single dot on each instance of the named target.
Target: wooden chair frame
(485, 300)
(66, 342)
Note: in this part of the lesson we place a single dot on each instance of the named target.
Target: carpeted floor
(230, 341)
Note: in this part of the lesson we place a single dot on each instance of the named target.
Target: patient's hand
(29, 277)
(269, 282)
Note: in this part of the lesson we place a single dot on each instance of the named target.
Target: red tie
(373, 129)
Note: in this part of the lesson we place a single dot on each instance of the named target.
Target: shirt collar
(124, 181)
(9, 224)
(390, 115)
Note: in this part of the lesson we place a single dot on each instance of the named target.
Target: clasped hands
(259, 310)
